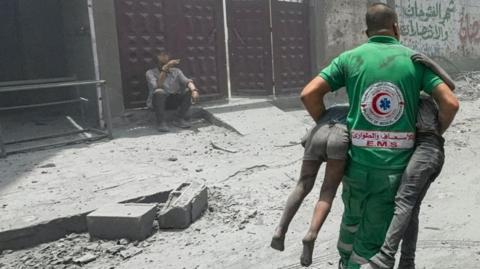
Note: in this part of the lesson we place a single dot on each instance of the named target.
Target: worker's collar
(383, 39)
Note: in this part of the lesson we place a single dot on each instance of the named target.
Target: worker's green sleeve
(335, 74)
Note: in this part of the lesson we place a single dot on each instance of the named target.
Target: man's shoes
(181, 123)
(163, 127)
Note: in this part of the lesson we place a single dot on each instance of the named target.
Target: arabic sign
(469, 29)
(441, 27)
(427, 20)
(380, 139)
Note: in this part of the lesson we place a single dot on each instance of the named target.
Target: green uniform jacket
(383, 87)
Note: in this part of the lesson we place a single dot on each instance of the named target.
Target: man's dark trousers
(163, 100)
(423, 168)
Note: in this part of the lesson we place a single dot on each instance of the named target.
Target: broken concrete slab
(116, 221)
(42, 233)
(59, 227)
(254, 116)
(185, 205)
(199, 202)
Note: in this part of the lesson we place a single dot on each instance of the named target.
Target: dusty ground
(247, 192)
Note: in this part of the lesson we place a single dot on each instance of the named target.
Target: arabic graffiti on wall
(441, 27)
(427, 20)
(469, 29)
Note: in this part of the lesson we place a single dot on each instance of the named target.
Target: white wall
(447, 28)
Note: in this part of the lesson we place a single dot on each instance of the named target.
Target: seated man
(169, 88)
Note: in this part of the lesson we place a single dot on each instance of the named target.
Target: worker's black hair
(380, 17)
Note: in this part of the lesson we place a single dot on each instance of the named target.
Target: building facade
(229, 47)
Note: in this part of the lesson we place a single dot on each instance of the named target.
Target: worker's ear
(396, 30)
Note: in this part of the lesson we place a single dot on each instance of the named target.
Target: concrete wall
(336, 26)
(448, 30)
(108, 53)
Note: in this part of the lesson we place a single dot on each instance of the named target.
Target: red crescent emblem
(375, 101)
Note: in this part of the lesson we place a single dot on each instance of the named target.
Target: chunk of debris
(89, 257)
(49, 165)
(130, 252)
(217, 147)
(123, 242)
(122, 221)
(185, 204)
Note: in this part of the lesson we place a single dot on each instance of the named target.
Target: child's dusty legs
(305, 184)
(333, 178)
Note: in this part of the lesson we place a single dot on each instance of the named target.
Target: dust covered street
(239, 134)
(248, 182)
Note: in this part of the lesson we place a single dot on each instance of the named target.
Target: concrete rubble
(75, 251)
(117, 221)
(469, 82)
(185, 205)
(248, 176)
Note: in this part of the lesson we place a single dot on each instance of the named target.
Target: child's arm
(435, 67)
(448, 106)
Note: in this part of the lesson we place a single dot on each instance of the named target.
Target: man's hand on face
(195, 96)
(171, 64)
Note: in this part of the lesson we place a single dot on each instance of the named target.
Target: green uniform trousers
(369, 197)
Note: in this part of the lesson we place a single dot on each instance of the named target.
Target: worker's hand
(195, 96)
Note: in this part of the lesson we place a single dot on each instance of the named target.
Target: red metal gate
(255, 26)
(291, 46)
(250, 47)
(191, 30)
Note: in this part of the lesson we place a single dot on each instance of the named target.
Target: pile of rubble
(117, 231)
(76, 250)
(231, 211)
(468, 86)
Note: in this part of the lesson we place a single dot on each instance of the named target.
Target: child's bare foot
(307, 253)
(278, 240)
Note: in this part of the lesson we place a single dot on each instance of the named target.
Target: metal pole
(59, 144)
(227, 49)
(272, 51)
(106, 110)
(46, 137)
(3, 151)
(93, 37)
